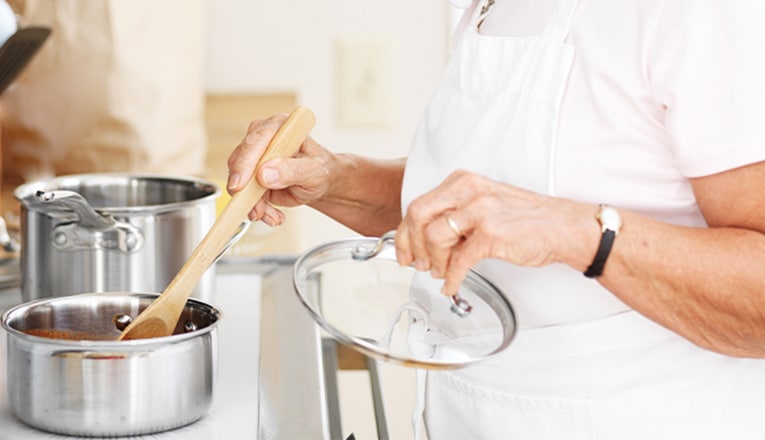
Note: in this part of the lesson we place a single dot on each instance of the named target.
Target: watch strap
(604, 249)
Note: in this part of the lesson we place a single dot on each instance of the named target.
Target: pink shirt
(660, 91)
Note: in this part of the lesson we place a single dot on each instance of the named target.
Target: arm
(361, 193)
(364, 194)
(706, 284)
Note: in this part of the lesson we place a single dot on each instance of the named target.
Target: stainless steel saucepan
(67, 374)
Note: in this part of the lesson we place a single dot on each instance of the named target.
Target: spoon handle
(161, 316)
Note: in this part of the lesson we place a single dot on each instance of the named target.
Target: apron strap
(484, 12)
(559, 25)
(480, 8)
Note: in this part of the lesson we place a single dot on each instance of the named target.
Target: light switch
(365, 82)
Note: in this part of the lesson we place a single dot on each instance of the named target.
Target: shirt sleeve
(707, 72)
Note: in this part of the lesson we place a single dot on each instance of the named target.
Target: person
(138, 90)
(622, 139)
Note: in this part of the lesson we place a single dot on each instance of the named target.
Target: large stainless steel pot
(111, 232)
(106, 387)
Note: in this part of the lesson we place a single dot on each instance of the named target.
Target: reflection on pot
(107, 387)
(111, 232)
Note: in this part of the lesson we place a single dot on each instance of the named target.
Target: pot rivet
(131, 241)
(189, 326)
(122, 320)
(60, 238)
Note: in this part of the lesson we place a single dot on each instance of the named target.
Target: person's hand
(469, 217)
(289, 181)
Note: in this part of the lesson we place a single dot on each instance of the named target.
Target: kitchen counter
(271, 380)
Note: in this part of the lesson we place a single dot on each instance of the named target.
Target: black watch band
(604, 248)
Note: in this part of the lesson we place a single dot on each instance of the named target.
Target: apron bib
(500, 96)
(495, 112)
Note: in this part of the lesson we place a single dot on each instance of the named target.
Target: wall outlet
(365, 82)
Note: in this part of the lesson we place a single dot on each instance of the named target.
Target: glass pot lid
(356, 291)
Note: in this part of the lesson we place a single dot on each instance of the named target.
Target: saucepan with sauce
(67, 373)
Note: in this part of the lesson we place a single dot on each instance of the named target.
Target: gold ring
(454, 226)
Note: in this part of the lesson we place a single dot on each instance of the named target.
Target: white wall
(288, 45)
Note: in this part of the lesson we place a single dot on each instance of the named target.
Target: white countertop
(270, 372)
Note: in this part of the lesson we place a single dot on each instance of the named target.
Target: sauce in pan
(67, 334)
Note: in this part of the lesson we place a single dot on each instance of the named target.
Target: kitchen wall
(290, 46)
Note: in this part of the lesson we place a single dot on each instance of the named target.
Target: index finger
(411, 241)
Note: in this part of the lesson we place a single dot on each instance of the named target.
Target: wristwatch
(610, 224)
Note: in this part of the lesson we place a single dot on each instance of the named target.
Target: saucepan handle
(459, 306)
(243, 228)
(89, 217)
(93, 230)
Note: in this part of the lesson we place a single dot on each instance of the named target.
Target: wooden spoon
(161, 316)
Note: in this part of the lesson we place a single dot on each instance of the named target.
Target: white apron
(583, 366)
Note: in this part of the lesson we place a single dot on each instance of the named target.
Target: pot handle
(459, 307)
(89, 217)
(93, 230)
(243, 228)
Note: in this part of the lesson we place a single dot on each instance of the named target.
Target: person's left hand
(490, 220)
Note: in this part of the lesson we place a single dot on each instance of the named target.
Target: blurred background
(169, 87)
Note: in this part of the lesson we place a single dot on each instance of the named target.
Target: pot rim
(25, 190)
(107, 344)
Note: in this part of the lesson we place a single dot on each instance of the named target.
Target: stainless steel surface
(331, 368)
(10, 272)
(365, 250)
(117, 232)
(381, 422)
(331, 373)
(270, 378)
(89, 218)
(104, 387)
(92, 230)
(292, 388)
(459, 306)
(361, 302)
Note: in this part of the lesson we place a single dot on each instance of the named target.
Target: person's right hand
(289, 181)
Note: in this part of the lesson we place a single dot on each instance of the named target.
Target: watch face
(610, 218)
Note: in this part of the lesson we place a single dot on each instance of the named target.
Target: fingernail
(435, 273)
(233, 181)
(270, 176)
